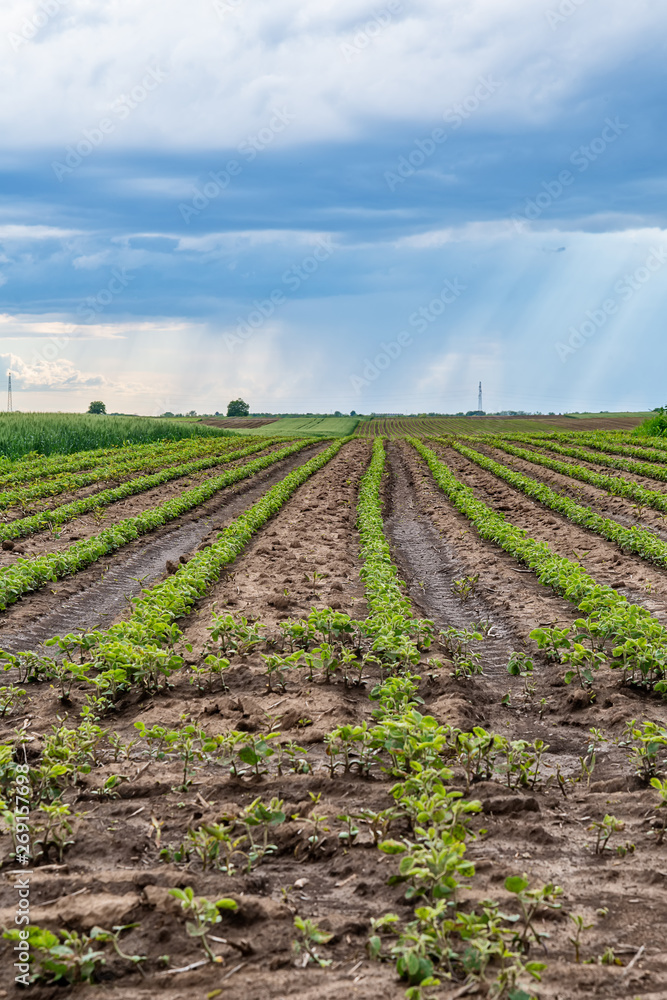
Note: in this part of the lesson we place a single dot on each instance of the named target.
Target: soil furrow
(85, 525)
(98, 595)
(601, 558)
(619, 508)
(430, 565)
(605, 470)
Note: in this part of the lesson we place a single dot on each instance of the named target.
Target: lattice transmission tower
(479, 398)
(10, 405)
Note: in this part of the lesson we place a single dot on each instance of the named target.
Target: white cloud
(29, 326)
(19, 234)
(57, 375)
(225, 74)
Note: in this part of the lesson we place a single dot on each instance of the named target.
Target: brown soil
(94, 597)
(629, 574)
(310, 550)
(619, 508)
(606, 470)
(92, 523)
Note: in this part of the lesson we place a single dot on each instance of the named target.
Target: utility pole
(479, 399)
(9, 393)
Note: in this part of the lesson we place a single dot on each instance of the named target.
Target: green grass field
(304, 427)
(64, 433)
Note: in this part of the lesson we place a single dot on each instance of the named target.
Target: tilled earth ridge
(98, 595)
(619, 508)
(544, 835)
(642, 582)
(534, 831)
(85, 525)
(116, 860)
(606, 470)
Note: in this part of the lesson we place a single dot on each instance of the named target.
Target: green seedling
(530, 901)
(465, 588)
(113, 937)
(347, 836)
(260, 817)
(521, 665)
(579, 927)
(604, 830)
(52, 829)
(661, 789)
(205, 916)
(647, 746)
(65, 958)
(213, 668)
(11, 697)
(379, 823)
(277, 666)
(582, 662)
(317, 820)
(305, 947)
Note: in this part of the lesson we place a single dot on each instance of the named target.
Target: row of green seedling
(26, 575)
(638, 640)
(614, 485)
(598, 441)
(432, 860)
(634, 466)
(21, 470)
(638, 540)
(53, 519)
(115, 469)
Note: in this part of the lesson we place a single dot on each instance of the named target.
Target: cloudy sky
(324, 205)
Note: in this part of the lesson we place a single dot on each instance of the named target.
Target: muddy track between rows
(602, 559)
(86, 525)
(430, 564)
(99, 595)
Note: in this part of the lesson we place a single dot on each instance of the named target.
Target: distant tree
(338, 414)
(353, 413)
(167, 414)
(191, 413)
(97, 406)
(238, 408)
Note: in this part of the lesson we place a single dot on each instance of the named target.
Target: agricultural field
(356, 716)
(398, 427)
